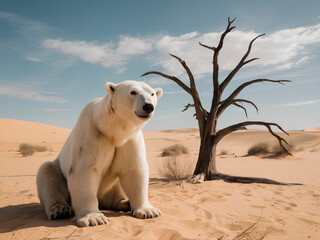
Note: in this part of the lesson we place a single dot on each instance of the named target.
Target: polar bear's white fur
(103, 162)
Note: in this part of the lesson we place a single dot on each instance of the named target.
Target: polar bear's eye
(133, 93)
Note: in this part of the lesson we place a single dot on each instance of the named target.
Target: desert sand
(210, 210)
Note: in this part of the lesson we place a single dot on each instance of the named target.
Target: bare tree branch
(187, 107)
(239, 106)
(216, 54)
(212, 118)
(249, 48)
(228, 29)
(223, 132)
(193, 87)
(241, 87)
(250, 60)
(176, 80)
(204, 112)
(190, 75)
(200, 112)
(205, 46)
(227, 102)
(246, 101)
(220, 45)
(240, 65)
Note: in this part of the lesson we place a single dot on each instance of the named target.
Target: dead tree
(207, 120)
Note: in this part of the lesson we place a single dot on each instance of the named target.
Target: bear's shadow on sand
(29, 215)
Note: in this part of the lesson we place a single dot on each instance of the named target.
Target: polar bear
(103, 162)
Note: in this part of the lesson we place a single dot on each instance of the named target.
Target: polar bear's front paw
(92, 219)
(143, 213)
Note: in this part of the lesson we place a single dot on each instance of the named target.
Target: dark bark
(207, 158)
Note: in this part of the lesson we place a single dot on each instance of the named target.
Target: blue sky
(56, 56)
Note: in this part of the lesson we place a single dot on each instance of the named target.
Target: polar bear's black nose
(148, 108)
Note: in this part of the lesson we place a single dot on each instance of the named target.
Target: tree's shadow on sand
(31, 215)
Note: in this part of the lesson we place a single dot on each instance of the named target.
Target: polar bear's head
(133, 100)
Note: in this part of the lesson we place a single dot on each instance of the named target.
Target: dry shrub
(278, 151)
(298, 148)
(265, 149)
(259, 149)
(224, 152)
(175, 169)
(174, 151)
(27, 149)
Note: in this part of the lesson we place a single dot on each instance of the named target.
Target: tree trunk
(206, 165)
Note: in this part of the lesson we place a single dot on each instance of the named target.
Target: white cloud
(285, 49)
(292, 64)
(33, 59)
(24, 93)
(106, 54)
(92, 52)
(133, 46)
(299, 103)
(120, 70)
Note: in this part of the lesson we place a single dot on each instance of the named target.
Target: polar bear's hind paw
(123, 205)
(59, 211)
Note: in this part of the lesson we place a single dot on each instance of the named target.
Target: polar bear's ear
(110, 88)
(159, 92)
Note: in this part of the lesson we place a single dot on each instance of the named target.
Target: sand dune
(23, 131)
(316, 129)
(211, 210)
